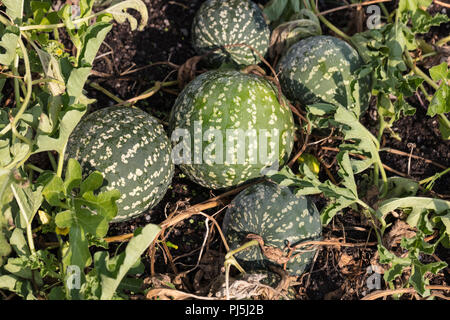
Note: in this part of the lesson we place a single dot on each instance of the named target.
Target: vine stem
(436, 176)
(372, 215)
(34, 168)
(98, 87)
(419, 72)
(366, 3)
(230, 260)
(326, 22)
(29, 230)
(26, 100)
(385, 293)
(61, 25)
(61, 161)
(443, 41)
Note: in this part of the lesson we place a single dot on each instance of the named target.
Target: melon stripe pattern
(225, 22)
(279, 217)
(321, 69)
(230, 116)
(132, 151)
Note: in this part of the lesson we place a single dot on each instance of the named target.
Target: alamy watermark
(374, 17)
(373, 282)
(73, 280)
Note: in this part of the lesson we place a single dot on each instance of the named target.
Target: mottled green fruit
(132, 151)
(230, 116)
(321, 69)
(219, 23)
(279, 217)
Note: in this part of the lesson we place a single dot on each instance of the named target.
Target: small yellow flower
(311, 161)
(59, 52)
(62, 231)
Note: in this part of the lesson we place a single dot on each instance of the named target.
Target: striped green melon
(232, 127)
(225, 22)
(279, 217)
(321, 69)
(132, 151)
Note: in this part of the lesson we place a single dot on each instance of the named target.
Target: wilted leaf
(119, 13)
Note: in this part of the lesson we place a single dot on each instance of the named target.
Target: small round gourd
(279, 217)
(132, 151)
(219, 23)
(321, 69)
(225, 119)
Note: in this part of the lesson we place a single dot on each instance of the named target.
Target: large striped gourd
(277, 215)
(234, 126)
(219, 23)
(132, 151)
(321, 69)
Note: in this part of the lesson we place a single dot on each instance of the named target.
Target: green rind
(279, 217)
(132, 151)
(225, 22)
(321, 69)
(231, 100)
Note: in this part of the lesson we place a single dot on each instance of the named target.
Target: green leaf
(64, 219)
(422, 21)
(274, 9)
(19, 151)
(440, 102)
(14, 9)
(119, 13)
(444, 128)
(340, 197)
(68, 122)
(419, 270)
(19, 243)
(104, 204)
(28, 201)
(440, 72)
(19, 268)
(51, 70)
(5, 247)
(44, 124)
(76, 81)
(57, 293)
(73, 176)
(93, 182)
(334, 208)
(5, 157)
(92, 40)
(364, 142)
(5, 190)
(412, 5)
(346, 173)
(418, 206)
(9, 43)
(398, 264)
(94, 224)
(111, 275)
(78, 251)
(399, 187)
(54, 191)
(14, 284)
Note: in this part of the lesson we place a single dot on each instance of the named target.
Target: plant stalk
(326, 22)
(61, 161)
(443, 41)
(410, 63)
